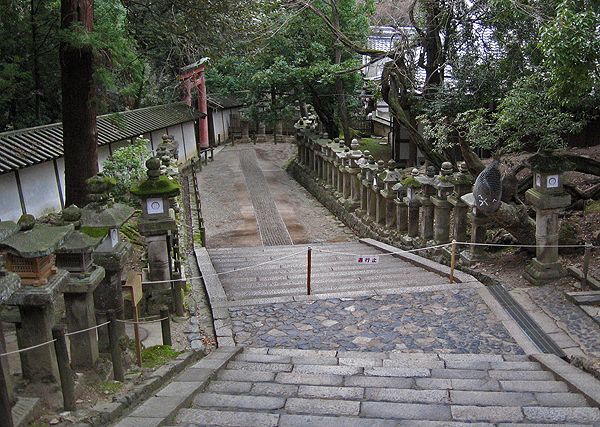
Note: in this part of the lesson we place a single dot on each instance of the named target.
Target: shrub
(127, 165)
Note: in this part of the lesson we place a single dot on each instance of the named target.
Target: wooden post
(136, 333)
(67, 384)
(309, 261)
(165, 326)
(452, 261)
(178, 295)
(586, 263)
(115, 350)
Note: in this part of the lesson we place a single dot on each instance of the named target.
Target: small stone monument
(245, 124)
(75, 256)
(378, 185)
(31, 254)
(442, 207)
(353, 169)
(463, 183)
(428, 189)
(103, 217)
(261, 135)
(388, 194)
(9, 283)
(401, 208)
(548, 197)
(412, 201)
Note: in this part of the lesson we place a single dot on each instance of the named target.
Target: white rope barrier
(27, 348)
(69, 334)
(525, 246)
(386, 253)
(139, 322)
(229, 271)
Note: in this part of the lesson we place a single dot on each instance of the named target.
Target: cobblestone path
(456, 321)
(270, 224)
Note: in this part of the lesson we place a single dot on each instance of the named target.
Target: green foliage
(378, 151)
(158, 355)
(108, 387)
(126, 166)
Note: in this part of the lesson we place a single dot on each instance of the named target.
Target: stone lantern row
(416, 206)
(430, 208)
(82, 257)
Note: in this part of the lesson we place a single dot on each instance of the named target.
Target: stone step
(320, 286)
(278, 386)
(301, 263)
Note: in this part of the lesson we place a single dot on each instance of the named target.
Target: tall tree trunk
(37, 86)
(339, 83)
(78, 103)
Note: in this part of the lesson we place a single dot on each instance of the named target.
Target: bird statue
(487, 190)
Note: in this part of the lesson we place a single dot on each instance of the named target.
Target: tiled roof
(26, 147)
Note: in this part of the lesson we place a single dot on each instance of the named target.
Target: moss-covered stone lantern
(412, 201)
(390, 179)
(31, 254)
(154, 194)
(155, 225)
(427, 190)
(102, 217)
(75, 256)
(463, 184)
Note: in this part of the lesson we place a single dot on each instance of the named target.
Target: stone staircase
(335, 272)
(289, 387)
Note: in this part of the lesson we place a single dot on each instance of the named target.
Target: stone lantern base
(539, 273)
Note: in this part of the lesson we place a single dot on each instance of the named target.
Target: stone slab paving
(229, 212)
(271, 227)
(456, 321)
(566, 323)
(274, 386)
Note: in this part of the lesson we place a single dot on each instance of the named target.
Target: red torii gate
(193, 76)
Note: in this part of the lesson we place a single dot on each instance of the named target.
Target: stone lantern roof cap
(398, 187)
(156, 185)
(79, 243)
(392, 176)
(7, 229)
(425, 180)
(37, 241)
(110, 216)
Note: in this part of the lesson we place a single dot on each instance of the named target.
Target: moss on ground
(592, 207)
(378, 151)
(158, 355)
(108, 387)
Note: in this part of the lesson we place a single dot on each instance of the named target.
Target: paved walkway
(249, 200)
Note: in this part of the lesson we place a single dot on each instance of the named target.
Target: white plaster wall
(10, 205)
(40, 190)
(218, 125)
(190, 142)
(103, 154)
(156, 138)
(176, 132)
(60, 163)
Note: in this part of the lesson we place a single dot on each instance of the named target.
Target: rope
(139, 322)
(387, 253)
(526, 246)
(228, 272)
(87, 329)
(27, 348)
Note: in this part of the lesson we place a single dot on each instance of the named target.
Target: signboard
(367, 259)
(134, 286)
(154, 205)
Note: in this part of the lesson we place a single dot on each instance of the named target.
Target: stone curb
(577, 379)
(160, 408)
(109, 412)
(217, 298)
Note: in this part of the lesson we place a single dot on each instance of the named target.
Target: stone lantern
(412, 201)
(156, 224)
(9, 283)
(103, 217)
(30, 254)
(428, 189)
(341, 169)
(75, 256)
(388, 194)
(401, 208)
(548, 197)
(463, 184)
(378, 185)
(442, 206)
(367, 187)
(363, 165)
(353, 169)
